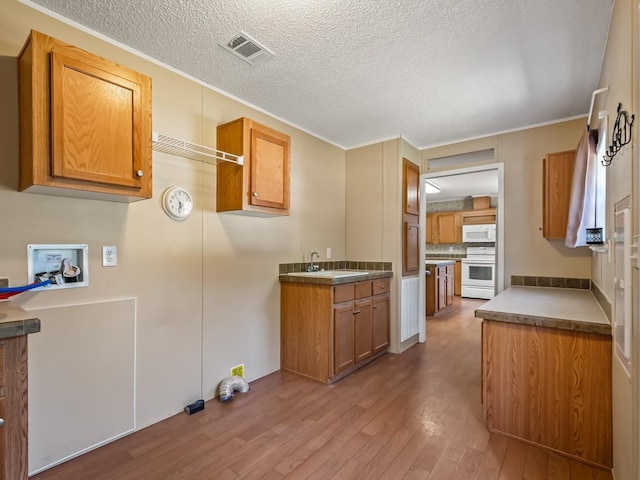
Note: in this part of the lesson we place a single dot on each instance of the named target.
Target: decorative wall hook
(620, 136)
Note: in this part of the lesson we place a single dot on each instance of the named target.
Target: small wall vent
(246, 48)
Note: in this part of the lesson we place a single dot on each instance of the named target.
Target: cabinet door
(449, 229)
(364, 329)
(450, 289)
(457, 278)
(442, 292)
(344, 337)
(96, 125)
(411, 248)
(3, 443)
(430, 226)
(557, 173)
(411, 187)
(381, 309)
(269, 170)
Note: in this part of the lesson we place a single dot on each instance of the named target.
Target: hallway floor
(404, 417)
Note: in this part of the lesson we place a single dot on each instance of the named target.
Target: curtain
(582, 202)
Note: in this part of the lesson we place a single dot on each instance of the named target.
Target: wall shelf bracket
(193, 151)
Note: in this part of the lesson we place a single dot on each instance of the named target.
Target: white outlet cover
(109, 256)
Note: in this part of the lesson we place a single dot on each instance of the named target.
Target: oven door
(478, 273)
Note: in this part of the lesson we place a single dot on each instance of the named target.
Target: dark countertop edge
(19, 328)
(532, 320)
(438, 263)
(292, 278)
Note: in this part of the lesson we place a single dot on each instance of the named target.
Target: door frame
(499, 167)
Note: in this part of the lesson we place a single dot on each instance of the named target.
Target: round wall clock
(177, 203)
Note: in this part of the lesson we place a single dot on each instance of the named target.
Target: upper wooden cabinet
(478, 217)
(557, 174)
(448, 228)
(85, 124)
(261, 185)
(411, 187)
(411, 248)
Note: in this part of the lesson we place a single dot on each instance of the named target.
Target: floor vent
(246, 48)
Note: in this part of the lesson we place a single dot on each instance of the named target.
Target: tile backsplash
(337, 265)
(559, 282)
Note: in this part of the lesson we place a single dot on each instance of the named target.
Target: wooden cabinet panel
(442, 292)
(550, 387)
(411, 248)
(85, 124)
(557, 175)
(439, 288)
(364, 329)
(457, 278)
(344, 338)
(431, 293)
(343, 293)
(261, 185)
(431, 236)
(449, 228)
(411, 187)
(478, 217)
(381, 313)
(449, 286)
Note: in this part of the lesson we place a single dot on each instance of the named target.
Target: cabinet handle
(140, 173)
(255, 194)
(1, 422)
(375, 306)
(356, 312)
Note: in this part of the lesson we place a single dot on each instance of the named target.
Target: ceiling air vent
(245, 47)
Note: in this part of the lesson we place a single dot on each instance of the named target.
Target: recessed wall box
(66, 265)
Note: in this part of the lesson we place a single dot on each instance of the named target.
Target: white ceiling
(354, 72)
(454, 187)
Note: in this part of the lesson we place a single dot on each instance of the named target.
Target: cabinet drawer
(442, 271)
(450, 269)
(381, 286)
(363, 289)
(343, 293)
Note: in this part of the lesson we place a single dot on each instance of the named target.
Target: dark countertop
(327, 278)
(562, 308)
(15, 321)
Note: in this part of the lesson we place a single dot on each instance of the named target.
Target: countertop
(305, 277)
(15, 321)
(563, 308)
(439, 262)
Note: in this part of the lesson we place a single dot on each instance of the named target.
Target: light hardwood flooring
(413, 416)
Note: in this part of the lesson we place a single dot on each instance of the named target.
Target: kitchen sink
(330, 273)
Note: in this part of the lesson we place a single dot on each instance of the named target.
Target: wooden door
(344, 337)
(411, 248)
(449, 229)
(411, 187)
(269, 183)
(100, 121)
(364, 329)
(557, 173)
(381, 313)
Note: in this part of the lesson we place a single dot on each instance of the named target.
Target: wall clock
(177, 203)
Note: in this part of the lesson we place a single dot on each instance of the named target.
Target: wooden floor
(411, 416)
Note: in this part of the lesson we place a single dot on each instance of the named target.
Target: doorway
(462, 184)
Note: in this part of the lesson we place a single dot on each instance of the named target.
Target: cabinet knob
(1, 422)
(140, 173)
(255, 194)
(375, 306)
(356, 312)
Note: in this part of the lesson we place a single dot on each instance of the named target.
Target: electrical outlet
(238, 370)
(109, 256)
(328, 253)
(4, 282)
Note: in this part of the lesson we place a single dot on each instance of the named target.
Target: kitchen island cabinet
(440, 285)
(546, 371)
(330, 329)
(15, 325)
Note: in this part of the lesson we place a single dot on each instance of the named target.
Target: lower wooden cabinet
(329, 331)
(440, 288)
(13, 408)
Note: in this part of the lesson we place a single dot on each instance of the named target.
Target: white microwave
(479, 233)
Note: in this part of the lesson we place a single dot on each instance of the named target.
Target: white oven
(478, 273)
(479, 233)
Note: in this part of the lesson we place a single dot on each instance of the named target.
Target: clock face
(177, 203)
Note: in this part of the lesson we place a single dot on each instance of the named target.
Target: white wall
(205, 290)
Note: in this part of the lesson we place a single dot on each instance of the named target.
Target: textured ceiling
(462, 185)
(355, 72)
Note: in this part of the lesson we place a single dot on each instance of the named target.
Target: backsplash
(336, 265)
(456, 205)
(559, 282)
(455, 250)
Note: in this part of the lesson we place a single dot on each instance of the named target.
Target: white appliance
(479, 233)
(478, 272)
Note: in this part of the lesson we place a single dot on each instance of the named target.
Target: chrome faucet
(312, 267)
